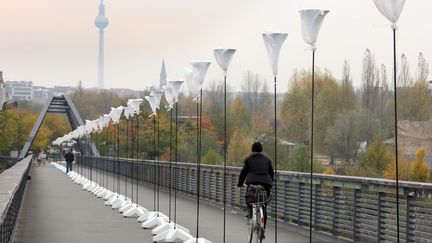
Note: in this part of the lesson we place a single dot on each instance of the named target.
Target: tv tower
(101, 23)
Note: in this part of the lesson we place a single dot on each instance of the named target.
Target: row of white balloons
(195, 74)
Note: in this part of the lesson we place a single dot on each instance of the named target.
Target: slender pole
(127, 155)
(225, 157)
(109, 137)
(154, 163)
(114, 129)
(198, 149)
(199, 160)
(91, 165)
(312, 145)
(396, 132)
(175, 169)
(170, 166)
(137, 157)
(118, 158)
(102, 169)
(132, 158)
(158, 165)
(275, 157)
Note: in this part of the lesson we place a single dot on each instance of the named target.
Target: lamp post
(273, 43)
(223, 58)
(196, 76)
(155, 218)
(311, 20)
(391, 9)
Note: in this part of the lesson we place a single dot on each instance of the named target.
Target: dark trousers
(68, 166)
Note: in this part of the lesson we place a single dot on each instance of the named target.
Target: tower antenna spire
(101, 23)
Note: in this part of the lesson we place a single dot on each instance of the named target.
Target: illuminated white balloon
(176, 84)
(157, 96)
(223, 57)
(193, 86)
(135, 105)
(116, 114)
(273, 43)
(169, 96)
(199, 70)
(391, 9)
(152, 104)
(311, 20)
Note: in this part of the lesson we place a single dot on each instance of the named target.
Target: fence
(357, 208)
(12, 185)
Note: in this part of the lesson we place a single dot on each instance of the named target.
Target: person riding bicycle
(257, 170)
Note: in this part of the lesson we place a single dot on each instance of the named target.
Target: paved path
(57, 210)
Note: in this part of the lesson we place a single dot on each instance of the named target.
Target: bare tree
(346, 75)
(422, 69)
(252, 87)
(370, 81)
(404, 77)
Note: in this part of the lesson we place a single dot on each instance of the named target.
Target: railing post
(379, 217)
(410, 221)
(355, 216)
(336, 191)
(317, 189)
(285, 215)
(299, 206)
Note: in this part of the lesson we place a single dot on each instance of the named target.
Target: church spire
(163, 75)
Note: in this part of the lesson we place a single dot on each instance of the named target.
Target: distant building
(413, 135)
(3, 97)
(19, 90)
(41, 93)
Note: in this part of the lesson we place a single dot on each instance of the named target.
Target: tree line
(353, 125)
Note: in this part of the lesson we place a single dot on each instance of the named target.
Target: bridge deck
(57, 210)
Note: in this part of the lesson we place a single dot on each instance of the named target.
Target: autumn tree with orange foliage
(404, 169)
(419, 170)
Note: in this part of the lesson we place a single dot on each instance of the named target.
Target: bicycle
(256, 224)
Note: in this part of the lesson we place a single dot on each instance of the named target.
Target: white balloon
(169, 95)
(200, 71)
(391, 9)
(176, 84)
(152, 104)
(311, 20)
(273, 43)
(223, 57)
(193, 86)
(157, 96)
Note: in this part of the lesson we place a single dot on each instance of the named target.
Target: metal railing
(356, 208)
(12, 185)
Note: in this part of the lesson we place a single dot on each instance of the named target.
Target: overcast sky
(55, 42)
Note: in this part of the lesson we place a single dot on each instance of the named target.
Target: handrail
(357, 208)
(13, 182)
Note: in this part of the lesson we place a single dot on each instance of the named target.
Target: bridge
(43, 204)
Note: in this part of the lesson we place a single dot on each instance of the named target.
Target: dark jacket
(257, 169)
(69, 157)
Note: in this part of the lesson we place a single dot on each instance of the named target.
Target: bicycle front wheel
(250, 231)
(260, 233)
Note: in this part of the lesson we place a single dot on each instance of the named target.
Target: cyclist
(257, 170)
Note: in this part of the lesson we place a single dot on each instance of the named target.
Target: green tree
(374, 161)
(238, 148)
(212, 158)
